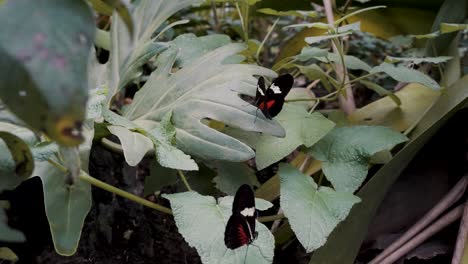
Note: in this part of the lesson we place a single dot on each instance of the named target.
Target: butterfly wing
(238, 232)
(240, 229)
(273, 98)
(277, 92)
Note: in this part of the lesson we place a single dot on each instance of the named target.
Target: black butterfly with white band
(270, 99)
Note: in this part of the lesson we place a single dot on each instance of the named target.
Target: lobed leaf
(205, 88)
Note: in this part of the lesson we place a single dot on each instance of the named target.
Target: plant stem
(346, 103)
(124, 194)
(265, 38)
(184, 180)
(271, 218)
(57, 165)
(360, 78)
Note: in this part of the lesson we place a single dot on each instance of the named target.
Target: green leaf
(7, 234)
(314, 72)
(44, 150)
(205, 88)
(192, 47)
(8, 254)
(381, 91)
(129, 53)
(301, 127)
(435, 60)
(231, 175)
(322, 55)
(313, 212)
(346, 151)
(18, 151)
(311, 40)
(44, 65)
(66, 206)
(312, 25)
(403, 74)
(308, 53)
(168, 155)
(134, 144)
(349, 235)
(206, 234)
(297, 13)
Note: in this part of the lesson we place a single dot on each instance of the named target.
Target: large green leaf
(231, 175)
(130, 52)
(349, 235)
(301, 128)
(44, 64)
(206, 234)
(204, 88)
(346, 151)
(406, 75)
(313, 212)
(66, 206)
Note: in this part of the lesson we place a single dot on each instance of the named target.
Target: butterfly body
(240, 228)
(270, 99)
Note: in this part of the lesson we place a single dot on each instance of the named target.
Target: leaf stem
(124, 194)
(57, 165)
(265, 38)
(271, 218)
(184, 180)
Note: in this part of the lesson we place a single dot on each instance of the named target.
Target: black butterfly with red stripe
(240, 228)
(270, 100)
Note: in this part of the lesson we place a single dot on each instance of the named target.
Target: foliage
(192, 111)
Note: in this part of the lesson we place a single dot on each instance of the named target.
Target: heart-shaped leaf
(206, 234)
(313, 211)
(301, 127)
(346, 151)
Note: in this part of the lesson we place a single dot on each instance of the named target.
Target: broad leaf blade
(403, 74)
(349, 235)
(231, 175)
(134, 144)
(44, 65)
(66, 207)
(205, 88)
(207, 233)
(346, 151)
(313, 212)
(301, 127)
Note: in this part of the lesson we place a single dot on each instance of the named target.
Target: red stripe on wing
(242, 235)
(268, 105)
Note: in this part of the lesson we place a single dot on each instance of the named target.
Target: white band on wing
(275, 89)
(260, 90)
(248, 211)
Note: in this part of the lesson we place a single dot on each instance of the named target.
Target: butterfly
(240, 228)
(270, 100)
